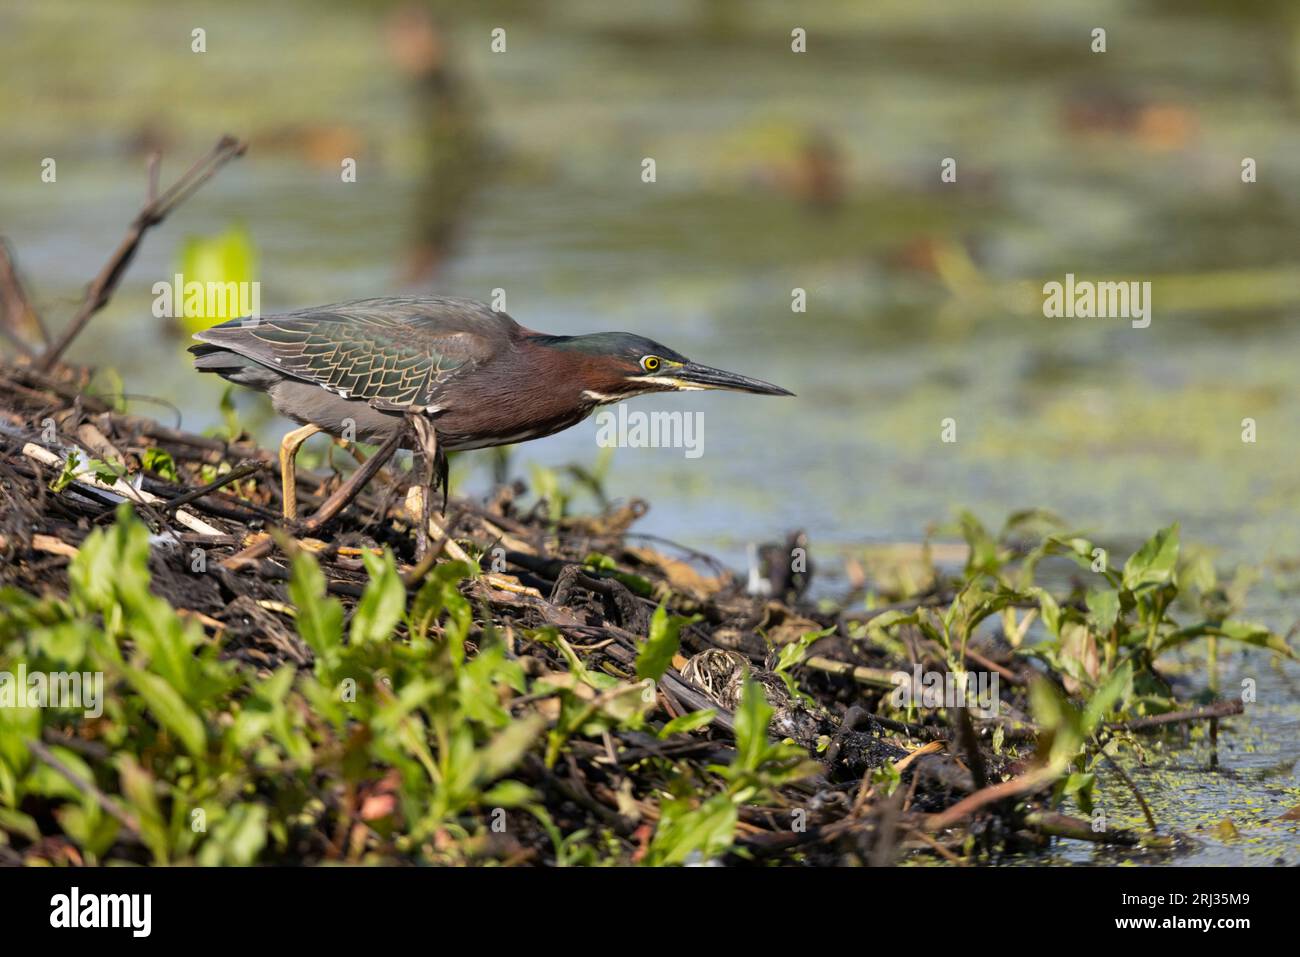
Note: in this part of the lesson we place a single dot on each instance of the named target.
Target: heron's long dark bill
(704, 377)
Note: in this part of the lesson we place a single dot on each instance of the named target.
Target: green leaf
(1058, 721)
(1103, 609)
(382, 604)
(752, 718)
(507, 794)
(229, 414)
(684, 831)
(16, 822)
(657, 653)
(138, 790)
(170, 709)
(1245, 632)
(892, 618)
(1154, 562)
(600, 562)
(508, 748)
(1105, 698)
(440, 592)
(1080, 785)
(47, 782)
(62, 644)
(1076, 781)
(688, 722)
(1049, 609)
(67, 474)
(793, 653)
(983, 549)
(319, 617)
(237, 839)
(1197, 573)
(160, 462)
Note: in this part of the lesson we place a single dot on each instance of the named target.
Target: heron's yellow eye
(650, 363)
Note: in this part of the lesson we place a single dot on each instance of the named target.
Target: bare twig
(240, 471)
(1220, 709)
(1146, 808)
(1075, 829)
(968, 805)
(153, 213)
(875, 677)
(970, 742)
(938, 848)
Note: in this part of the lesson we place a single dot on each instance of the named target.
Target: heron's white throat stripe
(671, 383)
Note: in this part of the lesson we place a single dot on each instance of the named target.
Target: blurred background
(522, 171)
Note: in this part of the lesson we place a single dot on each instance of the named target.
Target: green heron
(463, 375)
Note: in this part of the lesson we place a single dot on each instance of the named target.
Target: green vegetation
(397, 729)
(420, 733)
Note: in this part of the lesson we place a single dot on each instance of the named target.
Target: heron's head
(617, 365)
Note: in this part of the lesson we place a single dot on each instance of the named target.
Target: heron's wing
(395, 354)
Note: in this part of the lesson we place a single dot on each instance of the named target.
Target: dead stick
(349, 489)
(938, 848)
(1220, 709)
(875, 677)
(994, 792)
(970, 742)
(990, 665)
(234, 475)
(1076, 829)
(153, 213)
(1146, 808)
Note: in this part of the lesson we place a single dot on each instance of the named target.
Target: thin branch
(875, 677)
(1220, 709)
(234, 475)
(1030, 781)
(1075, 829)
(1146, 808)
(970, 742)
(154, 212)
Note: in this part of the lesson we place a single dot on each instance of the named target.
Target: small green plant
(1103, 637)
(662, 643)
(160, 462)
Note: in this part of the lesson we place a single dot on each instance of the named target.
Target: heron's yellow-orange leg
(289, 446)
